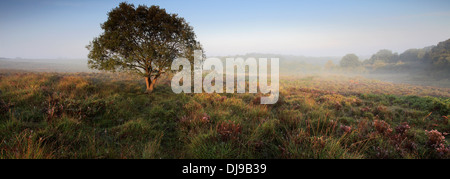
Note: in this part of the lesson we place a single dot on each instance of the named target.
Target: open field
(107, 115)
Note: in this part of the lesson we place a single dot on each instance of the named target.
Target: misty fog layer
(426, 66)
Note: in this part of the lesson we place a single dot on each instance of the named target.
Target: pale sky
(62, 28)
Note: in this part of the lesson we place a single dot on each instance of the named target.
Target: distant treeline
(433, 62)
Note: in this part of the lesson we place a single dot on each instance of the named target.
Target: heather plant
(108, 115)
(228, 130)
(436, 140)
(403, 128)
(382, 127)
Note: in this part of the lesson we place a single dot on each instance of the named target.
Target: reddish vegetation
(228, 130)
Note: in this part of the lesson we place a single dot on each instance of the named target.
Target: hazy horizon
(53, 29)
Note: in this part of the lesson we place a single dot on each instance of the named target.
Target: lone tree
(143, 40)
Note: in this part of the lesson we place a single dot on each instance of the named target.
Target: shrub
(402, 128)
(228, 130)
(382, 127)
(435, 138)
(437, 141)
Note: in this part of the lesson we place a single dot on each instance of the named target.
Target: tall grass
(108, 115)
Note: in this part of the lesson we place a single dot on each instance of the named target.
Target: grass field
(106, 115)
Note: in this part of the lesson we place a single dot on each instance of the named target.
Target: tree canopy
(350, 60)
(384, 56)
(440, 55)
(143, 40)
(431, 61)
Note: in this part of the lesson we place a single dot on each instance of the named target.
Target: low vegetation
(109, 115)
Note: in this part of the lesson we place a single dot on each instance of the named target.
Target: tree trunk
(150, 84)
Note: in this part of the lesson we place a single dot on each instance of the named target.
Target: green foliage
(420, 65)
(385, 56)
(350, 61)
(142, 40)
(319, 117)
(440, 55)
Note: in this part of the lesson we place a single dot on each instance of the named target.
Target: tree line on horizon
(432, 61)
